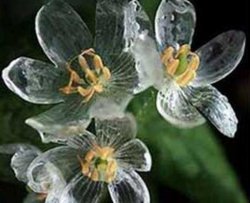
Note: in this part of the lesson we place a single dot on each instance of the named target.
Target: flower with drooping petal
(89, 163)
(183, 77)
(46, 185)
(91, 78)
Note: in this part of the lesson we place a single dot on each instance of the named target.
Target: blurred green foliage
(190, 161)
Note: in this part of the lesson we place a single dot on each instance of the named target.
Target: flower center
(93, 80)
(99, 164)
(182, 66)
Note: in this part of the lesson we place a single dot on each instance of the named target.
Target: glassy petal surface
(134, 155)
(128, 187)
(61, 32)
(82, 189)
(214, 106)
(109, 39)
(174, 23)
(34, 81)
(139, 41)
(23, 155)
(220, 57)
(66, 119)
(116, 131)
(176, 109)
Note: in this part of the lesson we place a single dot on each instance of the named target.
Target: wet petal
(139, 41)
(174, 107)
(66, 119)
(61, 32)
(109, 41)
(53, 168)
(220, 57)
(174, 23)
(134, 155)
(129, 187)
(115, 132)
(82, 142)
(213, 105)
(24, 154)
(82, 189)
(34, 81)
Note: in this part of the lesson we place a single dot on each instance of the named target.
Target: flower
(184, 77)
(86, 164)
(46, 185)
(87, 82)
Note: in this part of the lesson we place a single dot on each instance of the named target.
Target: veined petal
(128, 187)
(53, 169)
(138, 35)
(24, 154)
(134, 155)
(176, 109)
(66, 119)
(82, 189)
(115, 132)
(213, 105)
(61, 32)
(175, 23)
(219, 57)
(109, 40)
(34, 81)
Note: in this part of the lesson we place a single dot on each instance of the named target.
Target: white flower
(183, 77)
(80, 170)
(46, 184)
(87, 82)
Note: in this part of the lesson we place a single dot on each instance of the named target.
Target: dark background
(17, 38)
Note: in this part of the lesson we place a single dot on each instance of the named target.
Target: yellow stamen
(182, 65)
(95, 78)
(99, 164)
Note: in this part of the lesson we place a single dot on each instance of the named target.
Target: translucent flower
(183, 77)
(86, 81)
(89, 163)
(46, 185)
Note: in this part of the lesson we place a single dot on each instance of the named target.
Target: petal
(213, 105)
(34, 81)
(109, 40)
(138, 32)
(115, 132)
(174, 107)
(175, 23)
(66, 119)
(53, 169)
(82, 189)
(24, 154)
(32, 197)
(220, 57)
(61, 32)
(134, 155)
(129, 187)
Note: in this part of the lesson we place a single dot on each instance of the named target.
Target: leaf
(190, 161)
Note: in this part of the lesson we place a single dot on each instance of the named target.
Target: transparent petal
(176, 109)
(82, 142)
(34, 81)
(134, 155)
(109, 40)
(23, 155)
(66, 119)
(82, 189)
(139, 41)
(53, 168)
(61, 32)
(115, 132)
(213, 105)
(219, 57)
(175, 23)
(128, 187)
